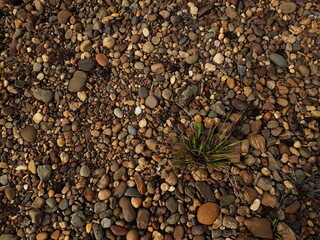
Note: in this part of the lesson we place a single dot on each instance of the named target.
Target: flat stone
(108, 42)
(171, 204)
(118, 113)
(78, 219)
(151, 101)
(157, 68)
(205, 191)
(186, 95)
(102, 59)
(44, 172)
(226, 200)
(178, 233)
(148, 47)
(78, 81)
(99, 207)
(6, 236)
(143, 92)
(86, 65)
(259, 227)
(118, 231)
(230, 222)
(43, 95)
(192, 59)
(285, 231)
(129, 214)
(143, 218)
(288, 8)
(98, 231)
(231, 12)
(29, 134)
(85, 171)
(304, 70)
(264, 183)
(106, 222)
(63, 16)
(278, 60)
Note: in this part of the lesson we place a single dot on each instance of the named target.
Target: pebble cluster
(91, 92)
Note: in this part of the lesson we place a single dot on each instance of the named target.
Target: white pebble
(255, 205)
(145, 32)
(138, 111)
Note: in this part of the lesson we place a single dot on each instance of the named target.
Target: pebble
(207, 213)
(143, 218)
(129, 214)
(230, 222)
(192, 59)
(78, 219)
(143, 92)
(102, 59)
(78, 81)
(29, 134)
(118, 231)
(148, 47)
(278, 60)
(98, 231)
(285, 231)
(44, 172)
(288, 7)
(85, 171)
(218, 58)
(63, 16)
(157, 68)
(259, 227)
(43, 95)
(5, 236)
(151, 101)
(304, 70)
(118, 113)
(86, 65)
(108, 42)
(132, 235)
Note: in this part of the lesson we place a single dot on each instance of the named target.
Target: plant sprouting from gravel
(205, 147)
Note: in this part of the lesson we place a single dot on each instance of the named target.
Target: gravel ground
(91, 92)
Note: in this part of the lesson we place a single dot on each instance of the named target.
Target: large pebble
(157, 68)
(78, 81)
(259, 227)
(29, 134)
(207, 213)
(43, 95)
(288, 7)
(63, 16)
(143, 218)
(108, 42)
(278, 60)
(44, 172)
(129, 214)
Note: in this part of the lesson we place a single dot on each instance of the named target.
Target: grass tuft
(201, 147)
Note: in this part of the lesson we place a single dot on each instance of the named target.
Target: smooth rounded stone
(285, 231)
(139, 65)
(51, 202)
(120, 190)
(178, 233)
(148, 47)
(44, 172)
(143, 218)
(197, 230)
(226, 200)
(98, 231)
(166, 94)
(35, 215)
(269, 200)
(190, 191)
(106, 222)
(259, 227)
(192, 59)
(129, 214)
(102, 59)
(230, 222)
(38, 202)
(99, 207)
(64, 204)
(104, 194)
(288, 7)
(207, 213)
(173, 219)
(78, 81)
(231, 12)
(78, 219)
(157, 68)
(304, 70)
(132, 130)
(37, 67)
(63, 16)
(43, 95)
(218, 58)
(143, 92)
(85, 171)
(103, 182)
(278, 60)
(156, 40)
(86, 65)
(118, 113)
(151, 101)
(172, 178)
(257, 48)
(11, 193)
(6, 236)
(4, 180)
(118, 231)
(108, 42)
(216, 233)
(171, 204)
(264, 183)
(7, 111)
(293, 207)
(132, 235)
(29, 134)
